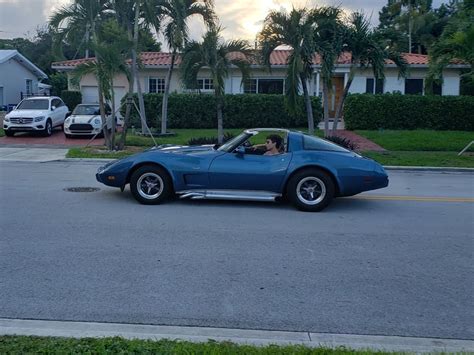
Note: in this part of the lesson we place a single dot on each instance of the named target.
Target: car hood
(27, 113)
(83, 118)
(182, 149)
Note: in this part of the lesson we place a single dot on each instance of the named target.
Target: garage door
(90, 95)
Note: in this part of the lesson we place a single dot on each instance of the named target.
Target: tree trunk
(87, 41)
(309, 107)
(114, 126)
(103, 118)
(164, 106)
(141, 104)
(220, 121)
(131, 81)
(326, 107)
(410, 25)
(340, 104)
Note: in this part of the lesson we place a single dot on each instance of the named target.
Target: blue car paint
(202, 167)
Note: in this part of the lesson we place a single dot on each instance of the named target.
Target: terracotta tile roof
(278, 57)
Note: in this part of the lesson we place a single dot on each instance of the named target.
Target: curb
(238, 336)
(430, 168)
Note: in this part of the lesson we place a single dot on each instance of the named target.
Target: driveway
(57, 138)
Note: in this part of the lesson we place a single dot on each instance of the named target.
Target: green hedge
(71, 98)
(396, 111)
(199, 111)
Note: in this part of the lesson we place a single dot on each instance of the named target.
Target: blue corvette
(307, 170)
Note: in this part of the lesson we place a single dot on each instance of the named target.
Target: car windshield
(86, 110)
(33, 104)
(234, 142)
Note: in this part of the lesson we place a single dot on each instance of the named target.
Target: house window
(205, 84)
(29, 87)
(250, 86)
(271, 86)
(373, 86)
(414, 86)
(156, 85)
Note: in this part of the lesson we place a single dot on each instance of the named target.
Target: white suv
(36, 114)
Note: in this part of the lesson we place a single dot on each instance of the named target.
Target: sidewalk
(32, 154)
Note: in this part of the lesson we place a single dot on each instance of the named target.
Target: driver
(273, 145)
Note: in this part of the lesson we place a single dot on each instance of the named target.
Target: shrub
(396, 111)
(209, 140)
(240, 111)
(343, 142)
(71, 98)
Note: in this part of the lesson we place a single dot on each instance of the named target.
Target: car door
(248, 171)
(55, 112)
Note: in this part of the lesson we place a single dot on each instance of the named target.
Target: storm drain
(82, 189)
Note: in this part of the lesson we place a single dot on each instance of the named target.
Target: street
(397, 261)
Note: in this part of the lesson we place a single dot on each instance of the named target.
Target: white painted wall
(233, 82)
(13, 77)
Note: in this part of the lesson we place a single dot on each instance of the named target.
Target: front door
(248, 172)
(335, 95)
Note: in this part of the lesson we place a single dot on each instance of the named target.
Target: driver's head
(273, 140)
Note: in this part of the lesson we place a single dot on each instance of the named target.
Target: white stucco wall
(13, 78)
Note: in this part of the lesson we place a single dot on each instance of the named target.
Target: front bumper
(24, 127)
(81, 130)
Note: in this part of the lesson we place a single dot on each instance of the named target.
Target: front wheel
(150, 185)
(9, 133)
(311, 190)
(48, 130)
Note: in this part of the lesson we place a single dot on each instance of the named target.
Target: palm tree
(296, 31)
(129, 13)
(366, 51)
(218, 56)
(174, 15)
(79, 17)
(110, 61)
(329, 35)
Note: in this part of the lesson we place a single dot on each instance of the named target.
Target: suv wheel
(48, 130)
(9, 133)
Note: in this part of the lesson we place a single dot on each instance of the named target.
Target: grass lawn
(50, 345)
(420, 140)
(437, 159)
(2, 132)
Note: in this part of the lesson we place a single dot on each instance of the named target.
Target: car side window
(55, 103)
(314, 143)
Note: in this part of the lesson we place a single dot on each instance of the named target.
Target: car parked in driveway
(36, 114)
(85, 120)
(308, 171)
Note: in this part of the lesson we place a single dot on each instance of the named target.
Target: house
(155, 65)
(18, 77)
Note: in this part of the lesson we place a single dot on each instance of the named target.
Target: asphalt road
(397, 261)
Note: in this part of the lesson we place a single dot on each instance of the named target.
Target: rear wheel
(150, 185)
(48, 129)
(9, 133)
(311, 190)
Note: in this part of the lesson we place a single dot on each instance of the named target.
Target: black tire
(48, 129)
(150, 174)
(9, 133)
(67, 135)
(311, 190)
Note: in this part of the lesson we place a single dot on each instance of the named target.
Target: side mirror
(53, 108)
(240, 150)
(68, 114)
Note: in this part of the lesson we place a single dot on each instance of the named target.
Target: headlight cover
(97, 121)
(6, 119)
(39, 118)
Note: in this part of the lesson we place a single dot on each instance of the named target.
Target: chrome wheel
(311, 190)
(150, 186)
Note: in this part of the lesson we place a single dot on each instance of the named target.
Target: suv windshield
(86, 110)
(34, 104)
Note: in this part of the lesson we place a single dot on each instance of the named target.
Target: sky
(240, 18)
